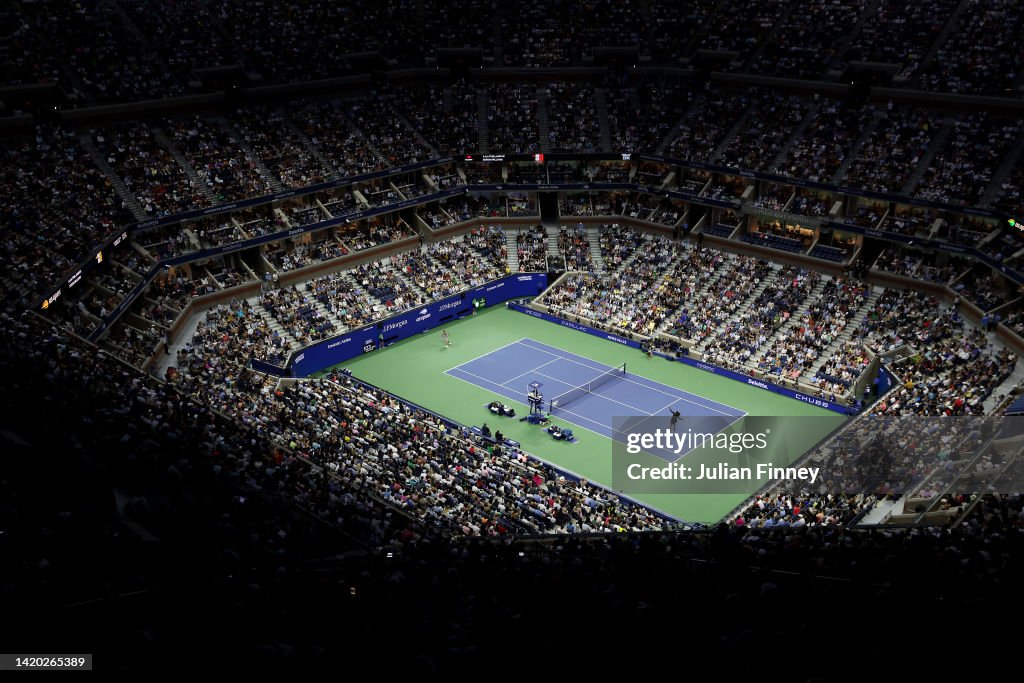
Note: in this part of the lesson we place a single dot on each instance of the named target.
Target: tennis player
(444, 338)
(675, 418)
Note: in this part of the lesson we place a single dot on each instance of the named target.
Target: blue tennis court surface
(508, 371)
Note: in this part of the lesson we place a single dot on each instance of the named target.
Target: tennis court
(422, 369)
(589, 394)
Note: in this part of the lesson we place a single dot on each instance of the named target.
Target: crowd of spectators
(532, 250)
(963, 168)
(100, 55)
(953, 376)
(618, 243)
(279, 147)
(298, 314)
(900, 32)
(574, 245)
(332, 134)
(57, 206)
(512, 118)
(706, 124)
(149, 171)
(821, 323)
(489, 241)
(538, 35)
(979, 286)
(226, 336)
(349, 304)
(706, 309)
(215, 155)
(572, 118)
(739, 26)
(763, 135)
(447, 267)
(374, 234)
(980, 57)
(376, 117)
(307, 253)
(819, 152)
(383, 281)
(803, 43)
(444, 115)
(892, 151)
(842, 368)
(635, 299)
(781, 297)
(641, 117)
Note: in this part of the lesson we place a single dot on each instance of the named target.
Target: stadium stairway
(947, 29)
(926, 159)
(833, 72)
(129, 199)
(315, 150)
(756, 292)
(798, 133)
(626, 264)
(271, 321)
(553, 251)
(854, 152)
(786, 328)
(416, 134)
(674, 130)
(543, 126)
(483, 133)
(197, 182)
(389, 268)
(995, 188)
(740, 124)
(601, 110)
(239, 140)
(318, 305)
(513, 253)
(854, 323)
(1016, 377)
(769, 38)
(594, 238)
(706, 287)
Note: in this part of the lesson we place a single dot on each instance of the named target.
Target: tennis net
(561, 400)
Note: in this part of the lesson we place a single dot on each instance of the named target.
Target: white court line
(528, 372)
(517, 341)
(611, 430)
(660, 412)
(482, 379)
(639, 384)
(607, 398)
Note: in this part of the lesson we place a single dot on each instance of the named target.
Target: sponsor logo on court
(620, 340)
(812, 400)
(445, 307)
(395, 326)
(706, 367)
(756, 383)
(336, 344)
